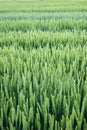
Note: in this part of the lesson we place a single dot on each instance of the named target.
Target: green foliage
(42, 5)
(43, 72)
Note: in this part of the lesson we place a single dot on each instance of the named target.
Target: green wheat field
(43, 64)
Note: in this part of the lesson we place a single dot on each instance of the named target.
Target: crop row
(36, 39)
(44, 16)
(43, 25)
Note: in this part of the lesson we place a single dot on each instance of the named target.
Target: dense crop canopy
(43, 70)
